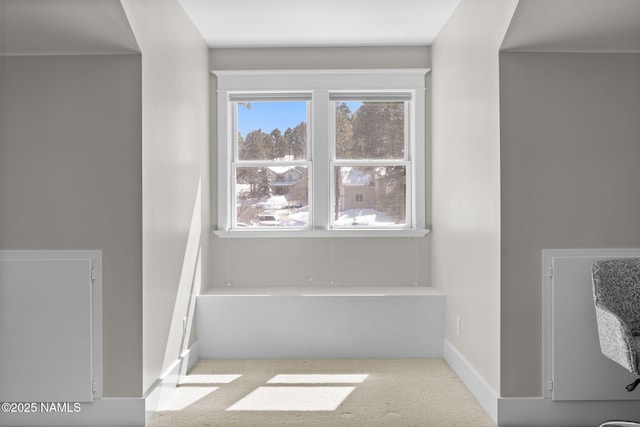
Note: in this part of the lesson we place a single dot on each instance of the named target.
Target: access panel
(46, 328)
(575, 368)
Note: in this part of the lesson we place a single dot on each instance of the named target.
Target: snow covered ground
(364, 217)
(278, 206)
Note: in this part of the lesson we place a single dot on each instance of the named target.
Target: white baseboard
(537, 411)
(163, 387)
(540, 412)
(484, 394)
(192, 357)
(105, 412)
(108, 412)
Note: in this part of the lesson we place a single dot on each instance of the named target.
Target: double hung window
(321, 153)
(271, 163)
(370, 156)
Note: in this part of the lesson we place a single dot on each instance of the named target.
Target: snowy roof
(281, 169)
(354, 176)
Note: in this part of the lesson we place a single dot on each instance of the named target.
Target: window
(270, 160)
(371, 154)
(321, 153)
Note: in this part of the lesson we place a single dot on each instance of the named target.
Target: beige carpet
(323, 393)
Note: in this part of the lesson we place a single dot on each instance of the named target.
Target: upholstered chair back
(616, 288)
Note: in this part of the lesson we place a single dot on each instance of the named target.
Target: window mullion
(418, 141)
(270, 163)
(407, 131)
(225, 157)
(370, 162)
(321, 152)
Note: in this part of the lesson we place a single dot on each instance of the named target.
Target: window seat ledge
(321, 291)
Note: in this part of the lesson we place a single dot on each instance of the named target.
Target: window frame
(407, 160)
(236, 162)
(321, 142)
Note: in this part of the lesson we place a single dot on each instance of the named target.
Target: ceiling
(59, 27)
(291, 23)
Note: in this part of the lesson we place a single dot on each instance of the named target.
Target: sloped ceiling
(57, 27)
(575, 26)
(293, 23)
(64, 27)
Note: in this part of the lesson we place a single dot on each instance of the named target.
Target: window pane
(370, 196)
(370, 130)
(276, 196)
(271, 130)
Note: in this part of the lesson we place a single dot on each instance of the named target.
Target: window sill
(317, 291)
(240, 234)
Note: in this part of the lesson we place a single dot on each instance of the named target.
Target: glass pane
(276, 196)
(370, 196)
(272, 130)
(370, 130)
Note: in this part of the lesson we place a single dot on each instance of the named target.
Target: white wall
(291, 262)
(570, 151)
(466, 179)
(175, 177)
(70, 170)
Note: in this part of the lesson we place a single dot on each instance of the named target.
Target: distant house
(285, 179)
(359, 190)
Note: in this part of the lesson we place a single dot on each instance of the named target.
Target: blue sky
(353, 105)
(271, 115)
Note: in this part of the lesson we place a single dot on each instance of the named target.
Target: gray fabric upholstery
(616, 292)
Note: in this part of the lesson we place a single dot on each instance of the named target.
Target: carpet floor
(322, 393)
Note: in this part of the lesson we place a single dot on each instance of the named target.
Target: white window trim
(321, 83)
(406, 161)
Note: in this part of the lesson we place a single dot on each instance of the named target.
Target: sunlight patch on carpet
(183, 397)
(209, 379)
(293, 399)
(318, 379)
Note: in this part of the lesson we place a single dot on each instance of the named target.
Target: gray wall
(175, 177)
(318, 58)
(570, 145)
(70, 178)
(291, 262)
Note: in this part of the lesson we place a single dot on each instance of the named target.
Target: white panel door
(46, 330)
(579, 371)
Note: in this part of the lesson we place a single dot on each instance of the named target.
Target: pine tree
(279, 149)
(378, 130)
(265, 183)
(296, 141)
(344, 132)
(257, 146)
